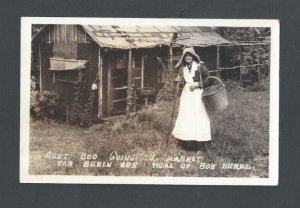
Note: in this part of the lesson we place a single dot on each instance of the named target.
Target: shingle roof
(125, 37)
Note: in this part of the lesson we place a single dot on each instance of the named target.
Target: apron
(192, 123)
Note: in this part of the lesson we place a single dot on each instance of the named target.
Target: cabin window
(66, 70)
(59, 64)
(121, 61)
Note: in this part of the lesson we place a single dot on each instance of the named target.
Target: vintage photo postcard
(149, 101)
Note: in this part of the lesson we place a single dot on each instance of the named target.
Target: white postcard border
(272, 180)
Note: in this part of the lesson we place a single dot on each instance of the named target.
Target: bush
(232, 85)
(263, 85)
(43, 105)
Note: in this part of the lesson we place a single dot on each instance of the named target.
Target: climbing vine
(80, 112)
(166, 93)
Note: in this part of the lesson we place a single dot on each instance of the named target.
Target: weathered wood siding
(64, 34)
(46, 51)
(63, 82)
(89, 52)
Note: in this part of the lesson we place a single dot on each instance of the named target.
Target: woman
(192, 124)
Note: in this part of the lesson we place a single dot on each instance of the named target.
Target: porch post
(100, 82)
(129, 83)
(142, 72)
(218, 61)
(240, 57)
(171, 59)
(258, 66)
(40, 67)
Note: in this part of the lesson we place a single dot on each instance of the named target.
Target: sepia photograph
(149, 101)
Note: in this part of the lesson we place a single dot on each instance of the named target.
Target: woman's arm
(200, 75)
(205, 74)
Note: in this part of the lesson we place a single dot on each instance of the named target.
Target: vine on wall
(166, 93)
(80, 112)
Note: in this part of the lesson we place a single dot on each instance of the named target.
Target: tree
(253, 46)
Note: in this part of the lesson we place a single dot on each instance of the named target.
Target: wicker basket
(215, 97)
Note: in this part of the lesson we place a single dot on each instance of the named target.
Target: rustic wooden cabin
(116, 58)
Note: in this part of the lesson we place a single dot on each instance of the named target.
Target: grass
(240, 136)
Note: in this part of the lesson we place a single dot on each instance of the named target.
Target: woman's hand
(192, 88)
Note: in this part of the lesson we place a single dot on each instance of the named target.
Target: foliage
(166, 93)
(80, 113)
(263, 85)
(43, 105)
(35, 29)
(252, 53)
(231, 85)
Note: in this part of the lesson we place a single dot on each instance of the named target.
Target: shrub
(263, 85)
(43, 105)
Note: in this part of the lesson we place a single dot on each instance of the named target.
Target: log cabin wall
(66, 42)
(89, 52)
(64, 34)
(45, 52)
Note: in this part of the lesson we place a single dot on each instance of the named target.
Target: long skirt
(192, 123)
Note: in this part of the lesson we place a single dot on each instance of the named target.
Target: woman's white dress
(192, 122)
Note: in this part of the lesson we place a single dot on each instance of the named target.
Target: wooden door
(117, 82)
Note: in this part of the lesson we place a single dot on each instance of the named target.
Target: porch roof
(125, 37)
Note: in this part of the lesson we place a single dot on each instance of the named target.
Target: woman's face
(188, 58)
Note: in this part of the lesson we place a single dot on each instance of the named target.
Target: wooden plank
(76, 34)
(67, 114)
(120, 88)
(66, 81)
(119, 100)
(258, 66)
(40, 67)
(53, 77)
(70, 34)
(100, 87)
(218, 61)
(54, 34)
(48, 36)
(109, 90)
(133, 60)
(142, 73)
(65, 33)
(171, 57)
(57, 34)
(129, 90)
(240, 57)
(117, 112)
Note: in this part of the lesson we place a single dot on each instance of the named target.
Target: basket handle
(213, 77)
